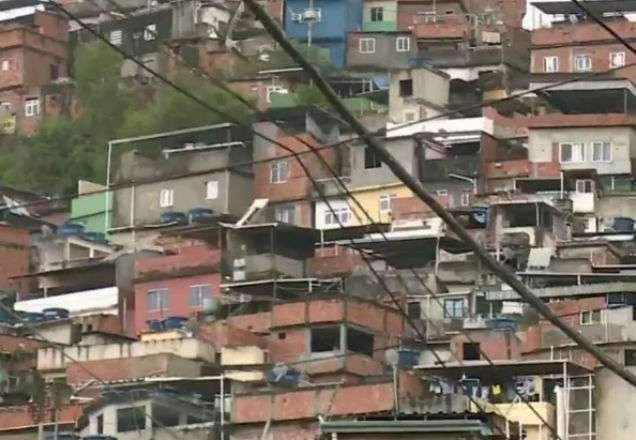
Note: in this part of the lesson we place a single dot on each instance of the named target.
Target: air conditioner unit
(298, 18)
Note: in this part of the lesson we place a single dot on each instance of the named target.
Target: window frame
(32, 107)
(373, 16)
(276, 171)
(454, 308)
(166, 198)
(371, 159)
(370, 42)
(555, 63)
(580, 57)
(150, 32)
(116, 37)
(208, 186)
(163, 304)
(464, 199)
(386, 198)
(603, 144)
(198, 288)
(285, 213)
(402, 86)
(584, 182)
(343, 214)
(141, 420)
(402, 39)
(613, 65)
(572, 145)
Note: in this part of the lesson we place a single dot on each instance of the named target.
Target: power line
(501, 271)
(144, 66)
(218, 112)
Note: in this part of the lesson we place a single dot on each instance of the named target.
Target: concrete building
(380, 50)
(416, 94)
(204, 167)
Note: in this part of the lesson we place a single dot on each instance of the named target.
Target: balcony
(379, 26)
(439, 169)
(186, 348)
(262, 267)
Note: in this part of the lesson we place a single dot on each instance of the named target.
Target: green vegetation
(67, 149)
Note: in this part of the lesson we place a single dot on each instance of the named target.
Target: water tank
(408, 358)
(283, 375)
(173, 217)
(623, 224)
(70, 229)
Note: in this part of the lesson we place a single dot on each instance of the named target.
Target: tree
(66, 150)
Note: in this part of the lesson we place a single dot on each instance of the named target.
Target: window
(377, 14)
(100, 424)
(359, 341)
(131, 419)
(441, 193)
(406, 87)
(166, 198)
(386, 203)
(115, 37)
(550, 64)
(164, 416)
(366, 45)
(571, 152)
(325, 339)
(471, 351)
(590, 317)
(402, 44)
(5, 65)
(584, 186)
(157, 299)
(371, 159)
(150, 32)
(212, 189)
(54, 71)
(630, 358)
(454, 308)
(465, 199)
(582, 63)
(601, 151)
(31, 107)
(342, 216)
(616, 59)
(199, 293)
(414, 310)
(279, 172)
(285, 214)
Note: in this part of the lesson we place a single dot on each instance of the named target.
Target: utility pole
(504, 273)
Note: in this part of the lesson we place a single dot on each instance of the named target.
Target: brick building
(33, 60)
(175, 285)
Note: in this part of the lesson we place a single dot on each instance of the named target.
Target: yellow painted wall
(369, 198)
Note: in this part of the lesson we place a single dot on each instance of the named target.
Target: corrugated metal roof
(103, 300)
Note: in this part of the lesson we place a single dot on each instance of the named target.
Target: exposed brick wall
(497, 345)
(15, 258)
(298, 186)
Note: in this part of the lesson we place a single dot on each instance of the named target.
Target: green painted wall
(89, 210)
(379, 26)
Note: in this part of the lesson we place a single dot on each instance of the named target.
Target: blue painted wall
(338, 18)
